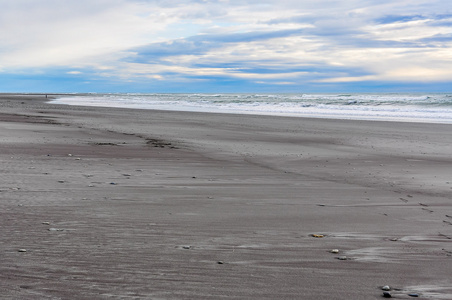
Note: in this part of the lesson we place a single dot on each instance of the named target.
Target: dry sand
(134, 204)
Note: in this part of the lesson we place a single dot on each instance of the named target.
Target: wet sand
(137, 204)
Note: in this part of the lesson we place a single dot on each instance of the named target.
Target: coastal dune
(108, 203)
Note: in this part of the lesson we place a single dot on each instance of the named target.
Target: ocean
(405, 107)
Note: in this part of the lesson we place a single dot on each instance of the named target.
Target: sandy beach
(105, 203)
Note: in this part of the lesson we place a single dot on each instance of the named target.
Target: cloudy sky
(225, 45)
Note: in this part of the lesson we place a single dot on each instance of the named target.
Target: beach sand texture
(103, 203)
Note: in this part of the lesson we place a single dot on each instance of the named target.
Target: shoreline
(122, 203)
(55, 96)
(389, 113)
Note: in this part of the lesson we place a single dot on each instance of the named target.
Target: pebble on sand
(387, 295)
(317, 235)
(22, 250)
(335, 251)
(186, 247)
(342, 258)
(386, 288)
(55, 229)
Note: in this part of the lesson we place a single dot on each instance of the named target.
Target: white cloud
(56, 33)
(347, 79)
(407, 31)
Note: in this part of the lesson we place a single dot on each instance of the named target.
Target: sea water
(431, 108)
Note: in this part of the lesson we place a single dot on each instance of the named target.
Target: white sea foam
(432, 108)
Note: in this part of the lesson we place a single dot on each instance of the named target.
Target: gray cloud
(200, 44)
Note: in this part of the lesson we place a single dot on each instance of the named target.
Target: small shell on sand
(335, 251)
(317, 235)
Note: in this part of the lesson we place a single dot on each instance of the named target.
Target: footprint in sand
(445, 236)
(424, 207)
